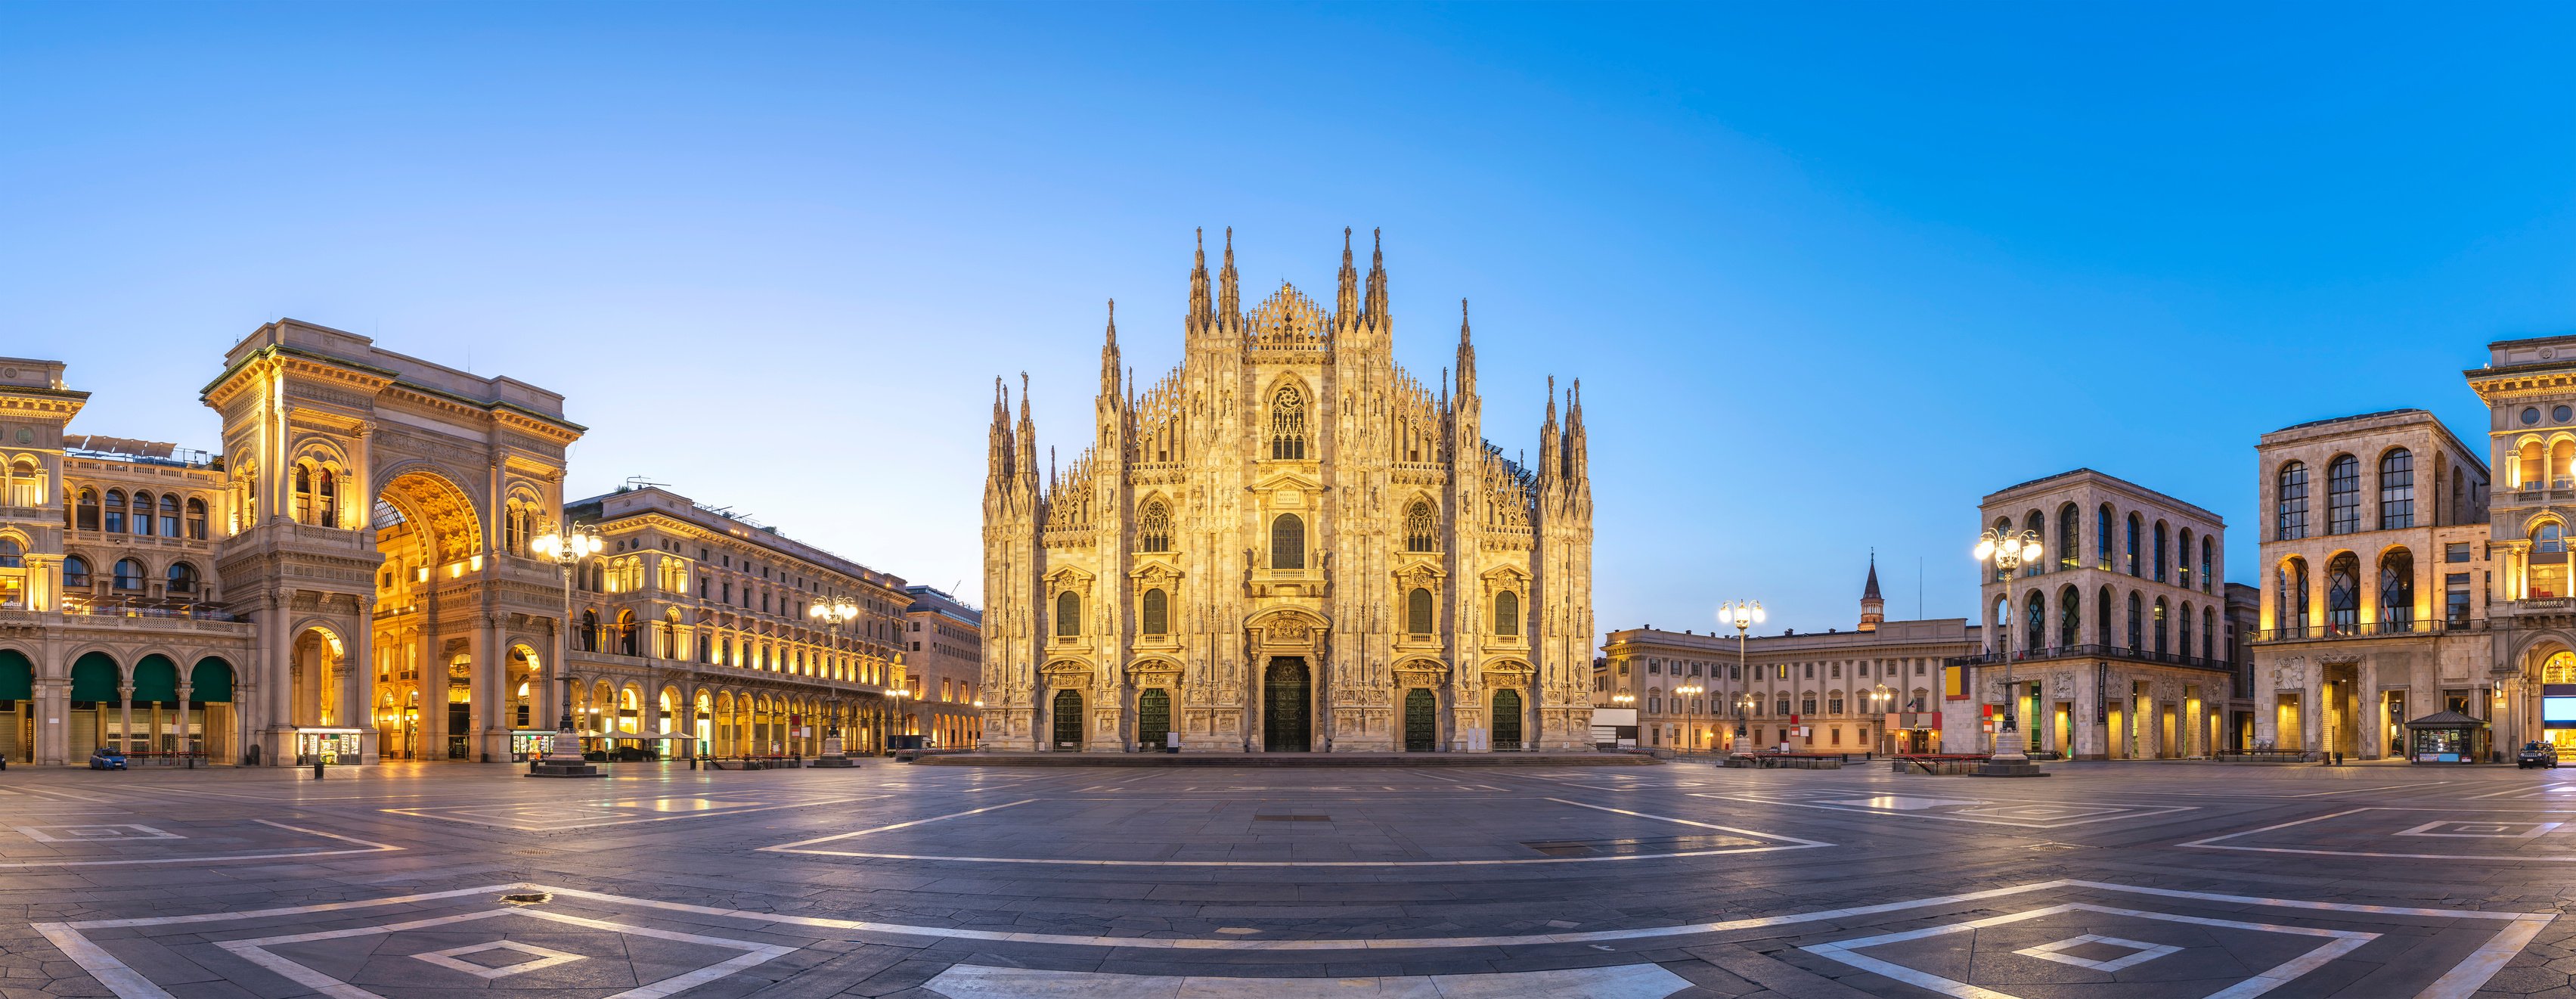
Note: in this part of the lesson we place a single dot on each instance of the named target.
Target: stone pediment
(1069, 578)
(1156, 570)
(1290, 478)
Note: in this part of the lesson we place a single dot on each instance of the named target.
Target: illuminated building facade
(1288, 544)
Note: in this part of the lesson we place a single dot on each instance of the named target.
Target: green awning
(94, 678)
(17, 676)
(212, 679)
(156, 678)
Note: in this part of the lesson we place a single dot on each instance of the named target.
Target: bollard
(317, 770)
(693, 763)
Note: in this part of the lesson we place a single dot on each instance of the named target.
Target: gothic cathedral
(1288, 544)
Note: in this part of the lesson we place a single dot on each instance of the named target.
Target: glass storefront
(335, 746)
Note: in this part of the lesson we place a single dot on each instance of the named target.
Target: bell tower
(1873, 609)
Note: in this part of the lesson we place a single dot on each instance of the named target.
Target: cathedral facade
(1288, 544)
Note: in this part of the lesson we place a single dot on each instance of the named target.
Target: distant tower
(1872, 609)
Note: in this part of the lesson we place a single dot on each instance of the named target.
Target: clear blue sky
(1829, 273)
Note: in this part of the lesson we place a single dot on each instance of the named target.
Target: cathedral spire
(1229, 303)
(1466, 354)
(1200, 307)
(1109, 356)
(1025, 459)
(1377, 277)
(1346, 301)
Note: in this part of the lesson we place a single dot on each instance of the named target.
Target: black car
(2537, 754)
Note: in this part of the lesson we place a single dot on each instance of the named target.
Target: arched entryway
(1421, 721)
(17, 706)
(94, 697)
(212, 728)
(1507, 720)
(1287, 706)
(1068, 720)
(1153, 718)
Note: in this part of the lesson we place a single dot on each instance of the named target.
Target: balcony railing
(2376, 629)
(109, 608)
(2095, 652)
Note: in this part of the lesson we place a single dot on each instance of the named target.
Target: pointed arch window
(2397, 489)
(1417, 612)
(1068, 614)
(1421, 530)
(1157, 613)
(1288, 542)
(2290, 518)
(1154, 528)
(1507, 613)
(2343, 495)
(1288, 424)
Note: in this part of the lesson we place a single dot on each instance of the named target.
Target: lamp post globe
(566, 548)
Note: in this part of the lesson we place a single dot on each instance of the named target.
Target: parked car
(107, 758)
(2537, 754)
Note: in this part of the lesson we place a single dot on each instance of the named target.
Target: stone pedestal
(563, 759)
(832, 753)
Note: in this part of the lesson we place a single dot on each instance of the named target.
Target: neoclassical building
(2377, 563)
(1288, 543)
(2118, 642)
(352, 577)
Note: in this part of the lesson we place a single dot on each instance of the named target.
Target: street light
(1680, 704)
(566, 548)
(1879, 696)
(902, 717)
(833, 613)
(2009, 550)
(1743, 614)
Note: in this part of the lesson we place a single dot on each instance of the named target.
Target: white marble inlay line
(2341, 942)
(257, 952)
(365, 846)
(540, 808)
(2214, 842)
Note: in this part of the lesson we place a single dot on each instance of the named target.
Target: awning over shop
(2446, 719)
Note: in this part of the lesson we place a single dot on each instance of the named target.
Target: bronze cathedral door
(1285, 694)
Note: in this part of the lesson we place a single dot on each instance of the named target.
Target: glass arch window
(170, 515)
(2209, 633)
(2560, 668)
(2163, 629)
(2137, 620)
(2290, 518)
(1156, 613)
(2070, 552)
(1417, 612)
(2545, 571)
(2182, 625)
(2038, 528)
(85, 510)
(2208, 551)
(12, 554)
(2070, 617)
(2161, 561)
(2034, 622)
(2343, 495)
(129, 574)
(1507, 613)
(2343, 594)
(115, 511)
(2135, 528)
(1068, 614)
(2102, 538)
(143, 514)
(2396, 489)
(182, 578)
(2397, 591)
(1287, 542)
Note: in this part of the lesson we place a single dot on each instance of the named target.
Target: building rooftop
(646, 499)
(1992, 497)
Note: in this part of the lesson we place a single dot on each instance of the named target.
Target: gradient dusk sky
(1828, 272)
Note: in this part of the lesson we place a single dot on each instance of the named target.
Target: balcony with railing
(2373, 629)
(2123, 653)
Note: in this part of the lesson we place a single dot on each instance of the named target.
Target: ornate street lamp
(566, 548)
(833, 613)
(2009, 550)
(1743, 614)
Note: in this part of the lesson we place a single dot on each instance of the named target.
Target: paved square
(418, 881)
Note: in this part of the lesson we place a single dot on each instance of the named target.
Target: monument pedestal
(563, 759)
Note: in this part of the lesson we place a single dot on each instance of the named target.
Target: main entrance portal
(1420, 731)
(1285, 693)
